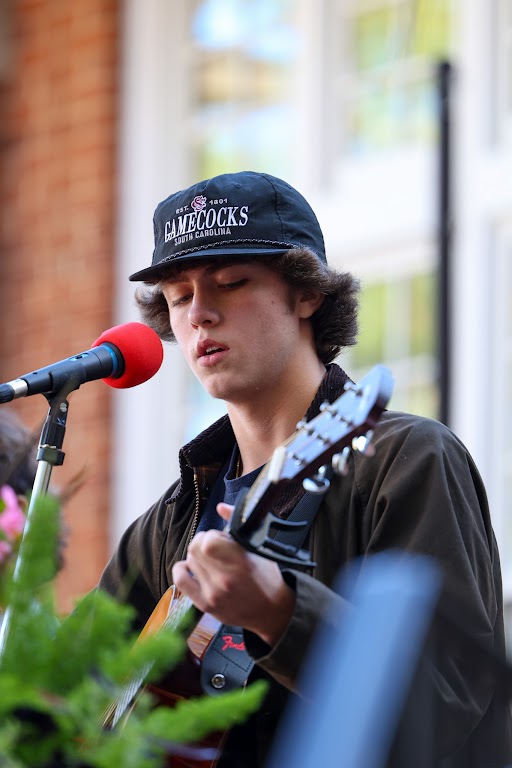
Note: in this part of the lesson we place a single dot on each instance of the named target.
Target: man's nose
(202, 310)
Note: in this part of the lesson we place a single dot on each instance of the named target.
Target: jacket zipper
(195, 521)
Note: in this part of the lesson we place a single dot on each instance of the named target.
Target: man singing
(239, 280)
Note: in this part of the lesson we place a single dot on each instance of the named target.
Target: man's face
(238, 325)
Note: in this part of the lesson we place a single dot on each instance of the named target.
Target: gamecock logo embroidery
(198, 203)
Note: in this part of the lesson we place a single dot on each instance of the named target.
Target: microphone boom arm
(99, 362)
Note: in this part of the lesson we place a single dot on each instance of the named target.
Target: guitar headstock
(347, 423)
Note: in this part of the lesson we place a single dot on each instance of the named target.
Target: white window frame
(503, 32)
(149, 419)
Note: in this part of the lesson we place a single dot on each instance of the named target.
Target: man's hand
(235, 586)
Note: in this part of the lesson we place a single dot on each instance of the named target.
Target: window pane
(423, 315)
(388, 96)
(397, 328)
(370, 348)
(242, 69)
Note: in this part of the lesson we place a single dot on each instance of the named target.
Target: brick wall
(58, 103)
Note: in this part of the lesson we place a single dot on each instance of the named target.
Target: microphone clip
(54, 427)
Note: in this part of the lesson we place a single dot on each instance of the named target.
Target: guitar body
(184, 681)
(181, 683)
(195, 755)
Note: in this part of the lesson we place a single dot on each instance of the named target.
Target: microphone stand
(49, 455)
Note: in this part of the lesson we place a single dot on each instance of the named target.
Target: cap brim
(157, 270)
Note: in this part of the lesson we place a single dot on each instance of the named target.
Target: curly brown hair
(334, 322)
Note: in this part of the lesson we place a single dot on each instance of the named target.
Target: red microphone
(140, 354)
(123, 356)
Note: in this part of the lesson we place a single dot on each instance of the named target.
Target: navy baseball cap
(235, 214)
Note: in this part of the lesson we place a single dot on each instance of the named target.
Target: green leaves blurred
(58, 676)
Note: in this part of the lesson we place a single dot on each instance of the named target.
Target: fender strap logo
(229, 643)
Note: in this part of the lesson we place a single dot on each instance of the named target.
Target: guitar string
(116, 710)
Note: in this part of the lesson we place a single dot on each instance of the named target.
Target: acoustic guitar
(344, 425)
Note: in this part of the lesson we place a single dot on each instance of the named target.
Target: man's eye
(180, 300)
(235, 284)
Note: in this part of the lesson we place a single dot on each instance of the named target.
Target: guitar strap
(226, 664)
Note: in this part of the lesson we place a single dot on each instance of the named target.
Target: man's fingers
(210, 545)
(185, 580)
(224, 510)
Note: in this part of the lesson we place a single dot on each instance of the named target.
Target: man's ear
(308, 302)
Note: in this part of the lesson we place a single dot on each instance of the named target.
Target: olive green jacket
(420, 492)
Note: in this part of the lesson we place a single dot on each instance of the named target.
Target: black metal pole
(445, 232)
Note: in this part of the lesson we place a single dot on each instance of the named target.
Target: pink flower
(12, 519)
(9, 497)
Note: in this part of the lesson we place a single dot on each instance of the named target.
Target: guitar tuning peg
(306, 426)
(318, 484)
(363, 444)
(340, 461)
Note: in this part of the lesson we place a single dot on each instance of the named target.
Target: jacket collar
(208, 451)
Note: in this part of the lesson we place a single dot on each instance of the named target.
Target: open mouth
(209, 348)
(212, 350)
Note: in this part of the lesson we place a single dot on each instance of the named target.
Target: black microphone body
(100, 362)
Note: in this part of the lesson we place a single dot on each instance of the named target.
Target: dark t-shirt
(226, 488)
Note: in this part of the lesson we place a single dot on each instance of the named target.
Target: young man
(239, 280)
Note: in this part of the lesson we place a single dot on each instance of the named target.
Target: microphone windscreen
(141, 349)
